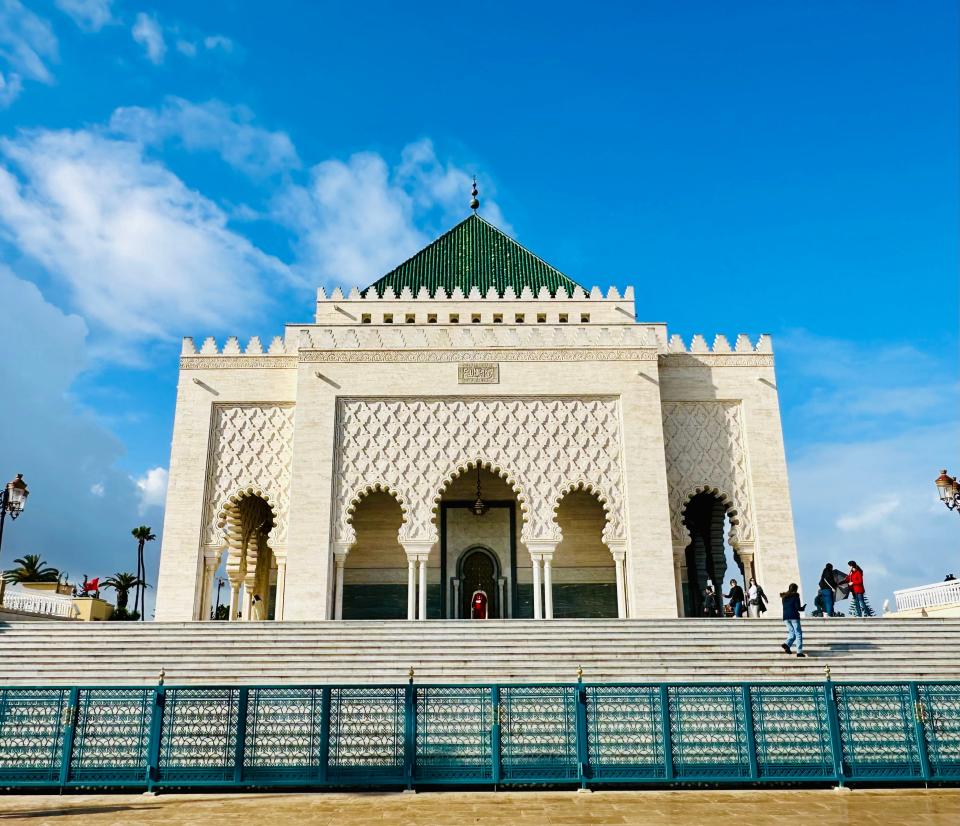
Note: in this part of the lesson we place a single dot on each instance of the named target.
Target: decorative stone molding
(238, 362)
(541, 446)
(430, 356)
(251, 446)
(705, 452)
(679, 360)
(509, 294)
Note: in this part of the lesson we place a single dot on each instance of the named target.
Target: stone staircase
(698, 650)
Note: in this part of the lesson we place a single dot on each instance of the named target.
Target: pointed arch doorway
(478, 569)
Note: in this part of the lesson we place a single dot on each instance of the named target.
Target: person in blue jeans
(791, 618)
(827, 584)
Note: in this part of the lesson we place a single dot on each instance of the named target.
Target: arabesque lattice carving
(541, 445)
(705, 451)
(251, 446)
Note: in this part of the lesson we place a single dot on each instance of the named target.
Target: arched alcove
(584, 572)
(375, 571)
(709, 556)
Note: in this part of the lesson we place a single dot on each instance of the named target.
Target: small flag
(92, 585)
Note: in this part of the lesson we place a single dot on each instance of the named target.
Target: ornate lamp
(13, 499)
(949, 490)
(479, 507)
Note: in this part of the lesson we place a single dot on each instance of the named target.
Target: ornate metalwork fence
(429, 735)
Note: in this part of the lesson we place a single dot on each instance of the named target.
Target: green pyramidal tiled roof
(473, 254)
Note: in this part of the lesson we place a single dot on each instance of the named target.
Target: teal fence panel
(284, 736)
(33, 723)
(707, 732)
(878, 732)
(538, 734)
(939, 711)
(625, 736)
(791, 732)
(199, 736)
(367, 741)
(370, 736)
(454, 727)
(111, 736)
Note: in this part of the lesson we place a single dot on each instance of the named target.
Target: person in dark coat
(827, 584)
(709, 602)
(791, 618)
(736, 598)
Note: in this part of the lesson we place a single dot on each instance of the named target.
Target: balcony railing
(928, 596)
(44, 603)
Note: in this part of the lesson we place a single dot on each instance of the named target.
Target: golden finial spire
(474, 203)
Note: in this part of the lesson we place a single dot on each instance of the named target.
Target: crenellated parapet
(719, 353)
(578, 306)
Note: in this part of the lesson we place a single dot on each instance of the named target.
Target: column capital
(341, 549)
(212, 554)
(618, 549)
(417, 550)
(541, 548)
(279, 553)
(679, 548)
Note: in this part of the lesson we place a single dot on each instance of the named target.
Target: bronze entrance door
(478, 572)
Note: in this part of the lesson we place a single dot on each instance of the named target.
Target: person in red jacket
(855, 581)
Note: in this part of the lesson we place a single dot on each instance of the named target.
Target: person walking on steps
(756, 599)
(855, 579)
(791, 618)
(709, 602)
(736, 598)
(827, 584)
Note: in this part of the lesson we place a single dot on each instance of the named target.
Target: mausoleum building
(473, 423)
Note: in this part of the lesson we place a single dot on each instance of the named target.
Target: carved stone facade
(251, 445)
(543, 446)
(551, 388)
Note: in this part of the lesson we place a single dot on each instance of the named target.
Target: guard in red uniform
(478, 605)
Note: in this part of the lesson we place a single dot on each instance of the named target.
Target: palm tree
(32, 569)
(143, 535)
(122, 583)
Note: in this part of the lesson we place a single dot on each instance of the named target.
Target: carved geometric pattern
(705, 451)
(366, 730)
(625, 731)
(283, 727)
(252, 445)
(877, 730)
(790, 731)
(706, 730)
(113, 731)
(538, 736)
(31, 732)
(540, 445)
(199, 736)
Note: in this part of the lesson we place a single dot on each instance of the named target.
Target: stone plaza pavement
(918, 807)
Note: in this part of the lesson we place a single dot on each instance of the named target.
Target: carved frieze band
(545, 445)
(232, 362)
(704, 446)
(428, 356)
(668, 360)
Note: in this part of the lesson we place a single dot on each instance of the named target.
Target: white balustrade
(46, 603)
(928, 596)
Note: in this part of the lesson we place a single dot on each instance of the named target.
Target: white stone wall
(337, 409)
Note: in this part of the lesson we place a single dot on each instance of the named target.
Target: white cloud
(27, 45)
(214, 125)
(359, 218)
(218, 41)
(187, 48)
(141, 254)
(872, 515)
(148, 33)
(58, 445)
(89, 15)
(153, 488)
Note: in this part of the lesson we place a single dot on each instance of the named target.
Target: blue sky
(199, 168)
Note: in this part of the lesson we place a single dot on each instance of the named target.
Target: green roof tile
(474, 254)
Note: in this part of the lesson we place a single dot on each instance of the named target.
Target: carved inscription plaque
(479, 373)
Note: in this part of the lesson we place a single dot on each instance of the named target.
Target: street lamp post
(949, 491)
(12, 501)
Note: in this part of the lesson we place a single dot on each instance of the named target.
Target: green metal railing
(430, 735)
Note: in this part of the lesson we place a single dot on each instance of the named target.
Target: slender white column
(456, 599)
(411, 588)
(340, 561)
(234, 600)
(422, 608)
(281, 557)
(679, 563)
(618, 549)
(547, 586)
(247, 603)
(537, 591)
(209, 574)
(501, 582)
